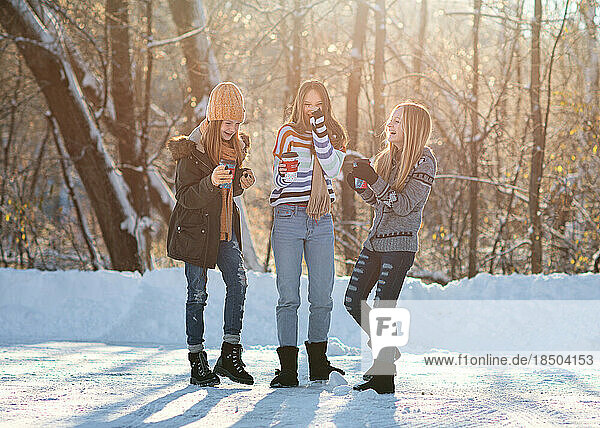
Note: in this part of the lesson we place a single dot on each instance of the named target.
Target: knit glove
(365, 171)
(317, 119)
(350, 180)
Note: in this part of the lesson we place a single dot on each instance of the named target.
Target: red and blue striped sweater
(290, 140)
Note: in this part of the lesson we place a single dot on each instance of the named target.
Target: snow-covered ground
(108, 348)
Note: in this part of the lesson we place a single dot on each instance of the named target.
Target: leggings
(387, 270)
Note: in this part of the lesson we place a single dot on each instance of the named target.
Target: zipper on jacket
(206, 246)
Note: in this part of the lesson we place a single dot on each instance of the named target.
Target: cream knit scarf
(319, 202)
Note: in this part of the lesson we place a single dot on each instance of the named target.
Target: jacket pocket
(189, 236)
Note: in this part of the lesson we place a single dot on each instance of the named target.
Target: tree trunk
(296, 71)
(161, 196)
(379, 73)
(292, 54)
(66, 173)
(358, 43)
(46, 59)
(201, 64)
(539, 142)
(131, 152)
(592, 68)
(420, 48)
(354, 80)
(474, 147)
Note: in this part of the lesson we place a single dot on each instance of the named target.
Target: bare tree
(100, 99)
(200, 62)
(379, 73)
(295, 74)
(352, 97)
(46, 58)
(420, 46)
(537, 155)
(131, 153)
(81, 221)
(474, 146)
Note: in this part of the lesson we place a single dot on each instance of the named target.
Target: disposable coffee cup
(359, 183)
(290, 161)
(229, 165)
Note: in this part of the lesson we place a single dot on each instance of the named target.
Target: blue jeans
(294, 234)
(231, 264)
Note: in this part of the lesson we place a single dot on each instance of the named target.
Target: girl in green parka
(204, 229)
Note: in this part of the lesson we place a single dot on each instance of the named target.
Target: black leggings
(387, 270)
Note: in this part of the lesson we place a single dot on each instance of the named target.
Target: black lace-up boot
(230, 364)
(201, 372)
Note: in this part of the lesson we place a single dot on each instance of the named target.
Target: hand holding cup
(364, 171)
(288, 167)
(221, 176)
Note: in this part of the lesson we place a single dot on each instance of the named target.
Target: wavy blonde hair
(416, 126)
(337, 133)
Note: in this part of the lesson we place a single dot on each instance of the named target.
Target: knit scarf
(319, 202)
(227, 152)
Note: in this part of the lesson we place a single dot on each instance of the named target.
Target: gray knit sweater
(398, 215)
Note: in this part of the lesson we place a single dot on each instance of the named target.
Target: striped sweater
(289, 140)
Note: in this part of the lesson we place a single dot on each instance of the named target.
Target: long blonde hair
(211, 141)
(337, 133)
(416, 125)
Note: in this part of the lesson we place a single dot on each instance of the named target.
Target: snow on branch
(184, 36)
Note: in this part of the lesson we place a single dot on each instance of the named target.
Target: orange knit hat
(226, 102)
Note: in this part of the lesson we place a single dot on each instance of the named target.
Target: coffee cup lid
(289, 155)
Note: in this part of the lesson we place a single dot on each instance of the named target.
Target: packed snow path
(94, 384)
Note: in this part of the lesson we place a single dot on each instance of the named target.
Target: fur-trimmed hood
(183, 145)
(180, 147)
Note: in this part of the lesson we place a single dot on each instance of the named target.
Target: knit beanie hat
(226, 102)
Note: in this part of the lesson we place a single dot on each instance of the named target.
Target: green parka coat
(195, 223)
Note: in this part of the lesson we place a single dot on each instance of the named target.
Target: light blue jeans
(295, 234)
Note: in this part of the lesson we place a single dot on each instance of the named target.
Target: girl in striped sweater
(303, 225)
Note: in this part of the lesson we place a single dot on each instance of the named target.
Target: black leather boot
(288, 375)
(201, 372)
(319, 366)
(382, 384)
(384, 363)
(230, 364)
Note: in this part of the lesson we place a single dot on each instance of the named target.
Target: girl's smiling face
(228, 129)
(394, 128)
(312, 102)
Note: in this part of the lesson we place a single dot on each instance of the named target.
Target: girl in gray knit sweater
(398, 188)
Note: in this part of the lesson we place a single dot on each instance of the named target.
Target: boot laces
(236, 360)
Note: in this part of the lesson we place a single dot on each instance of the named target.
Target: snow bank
(484, 313)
